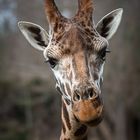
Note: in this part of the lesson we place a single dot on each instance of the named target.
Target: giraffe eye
(53, 62)
(102, 53)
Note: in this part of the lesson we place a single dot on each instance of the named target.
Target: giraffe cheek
(87, 113)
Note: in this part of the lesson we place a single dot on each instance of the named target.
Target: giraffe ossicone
(76, 49)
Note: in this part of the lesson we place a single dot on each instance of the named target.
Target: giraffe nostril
(90, 93)
(78, 97)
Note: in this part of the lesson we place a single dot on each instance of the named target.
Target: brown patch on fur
(80, 131)
(55, 27)
(63, 127)
(67, 51)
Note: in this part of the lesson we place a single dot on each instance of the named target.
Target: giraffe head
(76, 49)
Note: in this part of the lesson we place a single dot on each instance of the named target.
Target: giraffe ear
(35, 34)
(109, 24)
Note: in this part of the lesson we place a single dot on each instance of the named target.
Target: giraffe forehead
(75, 40)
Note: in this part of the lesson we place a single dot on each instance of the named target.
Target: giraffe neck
(72, 129)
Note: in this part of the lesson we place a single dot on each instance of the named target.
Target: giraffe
(76, 49)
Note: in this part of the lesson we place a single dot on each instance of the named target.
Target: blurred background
(29, 103)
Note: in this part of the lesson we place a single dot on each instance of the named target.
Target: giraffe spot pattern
(80, 131)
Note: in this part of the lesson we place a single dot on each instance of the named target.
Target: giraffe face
(76, 50)
(77, 61)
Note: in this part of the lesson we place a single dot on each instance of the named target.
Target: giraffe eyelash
(108, 51)
(102, 53)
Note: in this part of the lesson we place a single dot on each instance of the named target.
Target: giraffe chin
(94, 122)
(87, 113)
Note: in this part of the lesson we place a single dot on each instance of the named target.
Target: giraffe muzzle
(88, 108)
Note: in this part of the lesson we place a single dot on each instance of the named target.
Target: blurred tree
(8, 18)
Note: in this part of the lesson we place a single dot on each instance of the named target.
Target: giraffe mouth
(89, 112)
